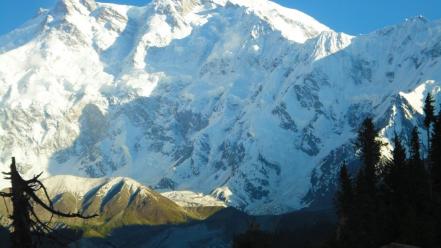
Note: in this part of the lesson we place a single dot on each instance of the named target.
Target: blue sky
(349, 16)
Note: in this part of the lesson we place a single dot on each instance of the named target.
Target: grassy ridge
(124, 207)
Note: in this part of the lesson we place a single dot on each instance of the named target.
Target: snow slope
(192, 199)
(245, 100)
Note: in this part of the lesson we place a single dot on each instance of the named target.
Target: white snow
(192, 199)
(243, 100)
(81, 186)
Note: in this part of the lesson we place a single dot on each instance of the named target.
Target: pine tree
(394, 193)
(369, 145)
(435, 165)
(394, 178)
(395, 205)
(415, 147)
(429, 115)
(344, 204)
(366, 195)
(435, 158)
(418, 196)
(344, 193)
(369, 151)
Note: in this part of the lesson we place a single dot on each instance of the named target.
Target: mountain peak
(419, 18)
(204, 95)
(181, 6)
(293, 24)
(71, 6)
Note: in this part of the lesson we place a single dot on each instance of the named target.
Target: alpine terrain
(247, 101)
(118, 201)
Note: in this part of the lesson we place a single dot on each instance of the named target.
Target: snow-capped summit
(69, 7)
(294, 25)
(246, 100)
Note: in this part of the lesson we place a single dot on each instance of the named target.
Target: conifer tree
(369, 145)
(394, 195)
(344, 193)
(344, 204)
(369, 151)
(435, 165)
(395, 205)
(418, 179)
(366, 199)
(429, 115)
(415, 147)
(418, 196)
(394, 178)
(435, 159)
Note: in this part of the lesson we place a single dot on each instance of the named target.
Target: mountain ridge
(230, 98)
(117, 202)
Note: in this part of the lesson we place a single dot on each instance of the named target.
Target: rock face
(246, 100)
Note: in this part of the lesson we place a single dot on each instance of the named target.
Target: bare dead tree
(25, 221)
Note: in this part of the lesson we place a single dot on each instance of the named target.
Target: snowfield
(249, 102)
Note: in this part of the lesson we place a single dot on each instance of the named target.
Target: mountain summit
(246, 100)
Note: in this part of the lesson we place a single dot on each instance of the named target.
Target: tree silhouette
(25, 221)
(365, 200)
(394, 204)
(344, 204)
(435, 159)
(429, 115)
(345, 192)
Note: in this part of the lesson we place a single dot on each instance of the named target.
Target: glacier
(247, 101)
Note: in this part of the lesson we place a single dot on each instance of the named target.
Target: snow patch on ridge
(192, 199)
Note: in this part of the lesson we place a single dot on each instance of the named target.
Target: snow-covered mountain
(248, 101)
